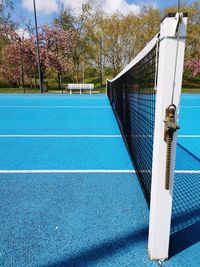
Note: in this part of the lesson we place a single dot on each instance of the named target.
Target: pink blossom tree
(57, 44)
(193, 65)
(11, 69)
(20, 54)
(16, 63)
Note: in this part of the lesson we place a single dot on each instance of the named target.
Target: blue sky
(47, 9)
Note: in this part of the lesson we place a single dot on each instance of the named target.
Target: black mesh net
(186, 199)
(132, 97)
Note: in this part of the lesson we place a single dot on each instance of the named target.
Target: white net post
(169, 82)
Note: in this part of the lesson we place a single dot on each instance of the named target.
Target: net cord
(156, 64)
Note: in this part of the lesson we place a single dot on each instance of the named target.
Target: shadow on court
(104, 250)
(185, 229)
(185, 238)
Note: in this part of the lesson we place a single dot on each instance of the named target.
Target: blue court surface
(69, 195)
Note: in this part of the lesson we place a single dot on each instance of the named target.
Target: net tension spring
(170, 128)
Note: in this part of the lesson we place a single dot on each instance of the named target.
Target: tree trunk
(101, 65)
(76, 63)
(42, 78)
(31, 83)
(59, 81)
(77, 74)
(22, 65)
(35, 81)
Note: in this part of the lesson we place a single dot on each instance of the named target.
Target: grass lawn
(189, 86)
(51, 91)
(191, 90)
(18, 90)
(97, 90)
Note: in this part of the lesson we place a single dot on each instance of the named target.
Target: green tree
(193, 30)
(68, 21)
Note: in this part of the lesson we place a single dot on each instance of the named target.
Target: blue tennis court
(69, 192)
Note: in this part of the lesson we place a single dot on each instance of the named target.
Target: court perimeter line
(67, 171)
(77, 136)
(180, 136)
(88, 171)
(55, 107)
(60, 136)
(188, 171)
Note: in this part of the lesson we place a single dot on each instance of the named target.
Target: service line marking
(67, 171)
(91, 171)
(60, 136)
(79, 136)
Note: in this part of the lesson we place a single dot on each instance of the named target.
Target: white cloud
(45, 6)
(74, 5)
(108, 6)
(23, 33)
(125, 8)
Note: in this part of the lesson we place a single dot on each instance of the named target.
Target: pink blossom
(194, 66)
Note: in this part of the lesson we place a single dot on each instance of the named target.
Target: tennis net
(145, 98)
(132, 95)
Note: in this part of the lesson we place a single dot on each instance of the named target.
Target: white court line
(90, 171)
(188, 171)
(176, 171)
(60, 136)
(67, 171)
(78, 136)
(55, 107)
(181, 136)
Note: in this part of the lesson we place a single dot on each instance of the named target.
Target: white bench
(80, 86)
